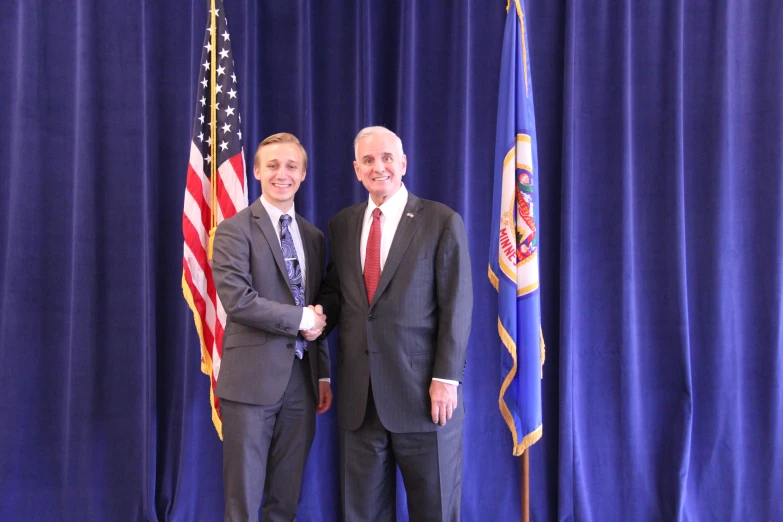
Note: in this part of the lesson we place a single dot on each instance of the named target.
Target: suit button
(367, 352)
(369, 317)
(290, 346)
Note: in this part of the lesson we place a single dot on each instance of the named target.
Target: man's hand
(443, 397)
(320, 323)
(324, 396)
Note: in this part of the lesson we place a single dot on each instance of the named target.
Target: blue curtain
(661, 157)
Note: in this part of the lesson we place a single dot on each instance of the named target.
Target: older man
(400, 283)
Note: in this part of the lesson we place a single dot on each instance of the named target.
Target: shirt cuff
(447, 381)
(325, 379)
(308, 319)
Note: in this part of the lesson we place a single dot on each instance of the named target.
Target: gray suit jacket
(417, 326)
(262, 317)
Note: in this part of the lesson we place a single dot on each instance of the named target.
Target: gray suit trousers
(430, 464)
(265, 450)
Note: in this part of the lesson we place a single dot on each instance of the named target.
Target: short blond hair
(280, 137)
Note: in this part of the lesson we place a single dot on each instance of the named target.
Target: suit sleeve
(329, 295)
(324, 366)
(454, 293)
(242, 303)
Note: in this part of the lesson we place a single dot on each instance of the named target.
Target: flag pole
(526, 485)
(513, 254)
(213, 128)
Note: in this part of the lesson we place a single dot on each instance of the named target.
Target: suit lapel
(310, 262)
(355, 254)
(409, 223)
(269, 232)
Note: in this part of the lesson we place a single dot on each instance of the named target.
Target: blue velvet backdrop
(661, 179)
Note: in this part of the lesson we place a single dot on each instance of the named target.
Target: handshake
(320, 323)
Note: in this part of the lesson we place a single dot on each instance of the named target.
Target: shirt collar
(275, 213)
(393, 205)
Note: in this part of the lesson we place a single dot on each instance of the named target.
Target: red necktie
(372, 258)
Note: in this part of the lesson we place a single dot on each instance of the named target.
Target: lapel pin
(409, 215)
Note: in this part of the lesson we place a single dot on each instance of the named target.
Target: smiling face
(380, 164)
(280, 167)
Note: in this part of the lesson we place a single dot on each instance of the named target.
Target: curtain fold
(660, 132)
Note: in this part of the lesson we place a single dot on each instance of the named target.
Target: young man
(268, 262)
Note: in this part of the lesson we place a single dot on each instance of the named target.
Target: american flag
(216, 154)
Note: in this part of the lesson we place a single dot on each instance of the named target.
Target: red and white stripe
(197, 272)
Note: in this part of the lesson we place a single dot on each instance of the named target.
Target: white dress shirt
(391, 214)
(308, 317)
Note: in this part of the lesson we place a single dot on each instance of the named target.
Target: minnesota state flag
(514, 240)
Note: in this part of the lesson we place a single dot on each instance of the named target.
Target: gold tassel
(211, 243)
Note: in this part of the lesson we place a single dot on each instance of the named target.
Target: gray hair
(371, 131)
